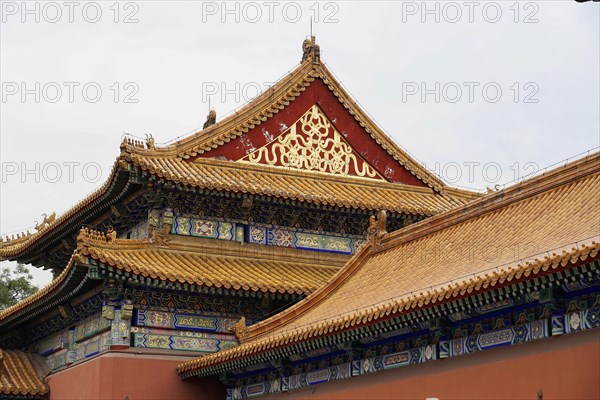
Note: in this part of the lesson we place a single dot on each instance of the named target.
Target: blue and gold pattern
(191, 226)
(526, 332)
(175, 342)
(265, 235)
(582, 320)
(170, 320)
(399, 359)
(287, 237)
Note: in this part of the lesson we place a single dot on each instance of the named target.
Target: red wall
(130, 376)
(567, 367)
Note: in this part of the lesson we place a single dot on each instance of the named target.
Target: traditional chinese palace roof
(304, 141)
(18, 376)
(540, 226)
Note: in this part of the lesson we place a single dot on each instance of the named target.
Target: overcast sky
(481, 92)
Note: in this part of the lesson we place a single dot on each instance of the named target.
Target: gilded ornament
(240, 330)
(313, 143)
(376, 229)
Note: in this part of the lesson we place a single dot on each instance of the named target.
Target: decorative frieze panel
(399, 359)
(266, 235)
(176, 342)
(332, 373)
(285, 237)
(191, 322)
(139, 231)
(170, 301)
(53, 343)
(191, 226)
(257, 389)
(93, 346)
(79, 351)
(91, 327)
(486, 308)
(582, 320)
(526, 332)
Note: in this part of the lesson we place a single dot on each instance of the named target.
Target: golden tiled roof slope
(196, 262)
(532, 228)
(309, 186)
(216, 263)
(10, 248)
(18, 377)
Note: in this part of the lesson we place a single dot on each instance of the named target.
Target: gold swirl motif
(314, 148)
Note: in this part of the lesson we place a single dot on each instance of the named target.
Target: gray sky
(481, 92)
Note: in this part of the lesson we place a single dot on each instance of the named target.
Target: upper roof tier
(533, 228)
(304, 139)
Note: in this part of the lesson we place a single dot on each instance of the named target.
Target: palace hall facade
(293, 250)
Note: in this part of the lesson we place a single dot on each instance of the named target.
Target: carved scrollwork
(313, 143)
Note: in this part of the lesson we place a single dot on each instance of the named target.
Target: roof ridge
(525, 189)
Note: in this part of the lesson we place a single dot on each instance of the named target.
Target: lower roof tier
(187, 262)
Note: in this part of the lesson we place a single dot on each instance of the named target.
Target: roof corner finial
(150, 144)
(311, 50)
(240, 330)
(211, 118)
(376, 230)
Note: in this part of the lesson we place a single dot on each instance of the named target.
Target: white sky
(177, 51)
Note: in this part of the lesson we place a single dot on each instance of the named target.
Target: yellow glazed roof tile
(532, 228)
(18, 376)
(199, 262)
(308, 186)
(221, 264)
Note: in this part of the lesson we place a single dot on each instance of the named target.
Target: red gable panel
(317, 93)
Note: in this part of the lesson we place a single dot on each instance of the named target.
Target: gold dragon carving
(313, 148)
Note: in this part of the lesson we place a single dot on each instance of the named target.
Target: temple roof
(314, 187)
(222, 157)
(215, 263)
(18, 377)
(530, 229)
(186, 261)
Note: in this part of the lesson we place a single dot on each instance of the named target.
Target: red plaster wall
(567, 367)
(129, 376)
